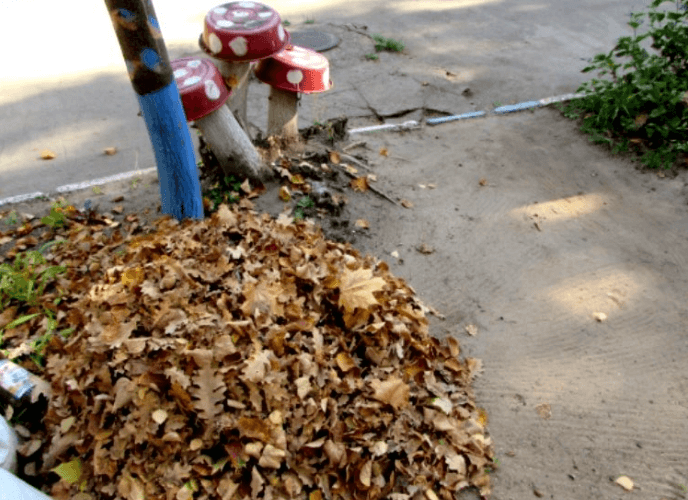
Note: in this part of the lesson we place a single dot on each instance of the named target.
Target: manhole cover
(316, 40)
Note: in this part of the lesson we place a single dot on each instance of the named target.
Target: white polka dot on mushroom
(178, 73)
(239, 46)
(247, 5)
(212, 90)
(280, 32)
(194, 64)
(219, 10)
(225, 23)
(265, 15)
(191, 81)
(214, 43)
(295, 76)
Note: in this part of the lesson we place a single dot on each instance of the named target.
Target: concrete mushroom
(236, 33)
(203, 94)
(295, 70)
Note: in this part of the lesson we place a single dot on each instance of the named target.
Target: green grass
(372, 57)
(226, 191)
(11, 218)
(638, 107)
(387, 44)
(309, 20)
(305, 202)
(284, 23)
(23, 282)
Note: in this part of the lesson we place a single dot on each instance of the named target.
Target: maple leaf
(356, 289)
(208, 390)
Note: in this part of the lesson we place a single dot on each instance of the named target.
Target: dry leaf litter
(245, 357)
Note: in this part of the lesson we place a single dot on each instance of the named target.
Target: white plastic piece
(8, 447)
(13, 488)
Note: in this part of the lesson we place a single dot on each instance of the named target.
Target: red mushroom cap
(200, 86)
(243, 31)
(296, 69)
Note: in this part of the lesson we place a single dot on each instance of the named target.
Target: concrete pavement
(64, 86)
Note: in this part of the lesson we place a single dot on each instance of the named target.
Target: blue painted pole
(148, 64)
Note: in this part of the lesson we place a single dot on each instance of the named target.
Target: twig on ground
(371, 188)
(354, 145)
(353, 160)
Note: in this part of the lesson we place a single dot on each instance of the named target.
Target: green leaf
(69, 471)
(20, 321)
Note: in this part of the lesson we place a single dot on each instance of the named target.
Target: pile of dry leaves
(246, 357)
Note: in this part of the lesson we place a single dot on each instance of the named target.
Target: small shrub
(641, 105)
(372, 57)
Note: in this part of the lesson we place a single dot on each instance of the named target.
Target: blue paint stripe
(516, 107)
(445, 119)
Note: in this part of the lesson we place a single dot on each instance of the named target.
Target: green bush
(640, 106)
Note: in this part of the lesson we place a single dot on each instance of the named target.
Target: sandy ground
(532, 231)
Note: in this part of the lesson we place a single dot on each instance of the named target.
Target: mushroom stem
(236, 77)
(231, 146)
(283, 115)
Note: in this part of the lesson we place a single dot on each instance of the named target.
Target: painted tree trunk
(231, 146)
(283, 117)
(148, 64)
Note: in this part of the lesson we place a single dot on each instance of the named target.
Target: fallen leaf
(426, 249)
(544, 410)
(599, 317)
(69, 471)
(362, 223)
(384, 152)
(640, 120)
(483, 182)
(345, 361)
(334, 157)
(272, 457)
(360, 184)
(110, 151)
(395, 254)
(118, 209)
(366, 472)
(46, 154)
(472, 330)
(625, 482)
(246, 186)
(159, 416)
(392, 391)
(406, 203)
(356, 289)
(372, 178)
(431, 186)
(350, 169)
(284, 194)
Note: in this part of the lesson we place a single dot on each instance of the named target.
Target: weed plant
(388, 44)
(640, 105)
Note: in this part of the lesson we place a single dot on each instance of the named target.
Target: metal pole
(148, 64)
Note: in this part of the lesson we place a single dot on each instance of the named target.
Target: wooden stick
(353, 160)
(373, 189)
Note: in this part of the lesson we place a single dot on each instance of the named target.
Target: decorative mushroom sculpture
(203, 94)
(236, 33)
(295, 70)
